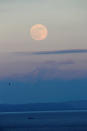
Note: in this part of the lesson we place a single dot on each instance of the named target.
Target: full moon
(38, 32)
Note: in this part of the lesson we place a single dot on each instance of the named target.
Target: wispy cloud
(58, 52)
(40, 65)
(61, 52)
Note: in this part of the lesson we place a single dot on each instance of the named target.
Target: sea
(72, 120)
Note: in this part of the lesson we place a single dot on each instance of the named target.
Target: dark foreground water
(44, 121)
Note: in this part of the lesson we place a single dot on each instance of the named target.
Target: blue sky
(43, 77)
(52, 70)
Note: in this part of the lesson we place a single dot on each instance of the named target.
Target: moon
(38, 32)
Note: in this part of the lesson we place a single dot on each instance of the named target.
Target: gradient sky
(48, 76)
(66, 21)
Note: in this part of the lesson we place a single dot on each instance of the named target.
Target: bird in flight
(9, 83)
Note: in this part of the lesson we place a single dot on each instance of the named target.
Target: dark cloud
(61, 52)
(58, 52)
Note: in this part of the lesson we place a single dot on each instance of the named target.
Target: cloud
(58, 52)
(53, 62)
(35, 65)
(47, 70)
(74, 51)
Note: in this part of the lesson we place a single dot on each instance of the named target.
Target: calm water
(44, 121)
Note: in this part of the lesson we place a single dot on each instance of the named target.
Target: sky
(51, 70)
(66, 21)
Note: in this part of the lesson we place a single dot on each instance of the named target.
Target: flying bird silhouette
(9, 83)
